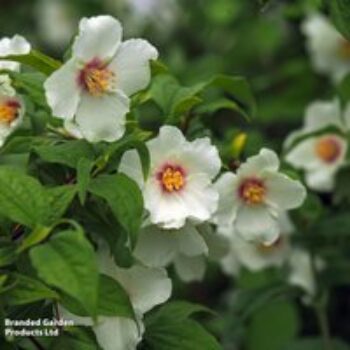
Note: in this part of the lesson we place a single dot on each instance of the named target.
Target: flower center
(96, 78)
(9, 111)
(172, 178)
(328, 149)
(344, 49)
(252, 191)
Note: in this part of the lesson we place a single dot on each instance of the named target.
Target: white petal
(191, 242)
(169, 142)
(265, 160)
(62, 90)
(156, 247)
(321, 179)
(99, 37)
(190, 269)
(73, 129)
(130, 165)
(301, 273)
(131, 65)
(303, 155)
(64, 314)
(147, 287)
(284, 193)
(257, 224)
(116, 333)
(226, 186)
(15, 66)
(200, 156)
(102, 118)
(322, 114)
(16, 45)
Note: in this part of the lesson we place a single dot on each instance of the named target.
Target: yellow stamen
(8, 113)
(328, 149)
(97, 80)
(172, 179)
(253, 191)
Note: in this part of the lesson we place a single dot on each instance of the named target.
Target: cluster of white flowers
(191, 210)
(329, 50)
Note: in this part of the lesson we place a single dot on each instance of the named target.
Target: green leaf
(7, 253)
(315, 344)
(84, 168)
(340, 13)
(68, 261)
(23, 144)
(22, 198)
(112, 300)
(125, 200)
(68, 153)
(28, 290)
(169, 328)
(273, 326)
(37, 60)
(59, 198)
(36, 236)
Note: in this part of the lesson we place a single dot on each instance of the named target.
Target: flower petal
(284, 193)
(321, 179)
(257, 224)
(191, 243)
(130, 165)
(226, 186)
(200, 156)
(99, 37)
(16, 45)
(10, 65)
(62, 90)
(265, 160)
(116, 333)
(190, 269)
(131, 65)
(102, 118)
(156, 247)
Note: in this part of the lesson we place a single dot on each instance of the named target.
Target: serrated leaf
(28, 290)
(125, 200)
(68, 261)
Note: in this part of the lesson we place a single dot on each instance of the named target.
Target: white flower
(56, 22)
(256, 256)
(92, 89)
(179, 186)
(251, 199)
(146, 288)
(11, 115)
(301, 271)
(14, 46)
(188, 248)
(321, 156)
(329, 50)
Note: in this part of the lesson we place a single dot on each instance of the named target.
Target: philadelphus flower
(146, 288)
(251, 200)
(187, 247)
(11, 106)
(92, 89)
(179, 186)
(329, 50)
(256, 256)
(321, 156)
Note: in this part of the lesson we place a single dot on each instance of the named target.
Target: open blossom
(179, 186)
(251, 200)
(256, 256)
(93, 87)
(187, 248)
(14, 46)
(146, 288)
(329, 50)
(322, 155)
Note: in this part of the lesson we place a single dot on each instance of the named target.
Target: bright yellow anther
(172, 179)
(97, 80)
(8, 112)
(252, 191)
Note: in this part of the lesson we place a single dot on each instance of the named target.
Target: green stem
(324, 326)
